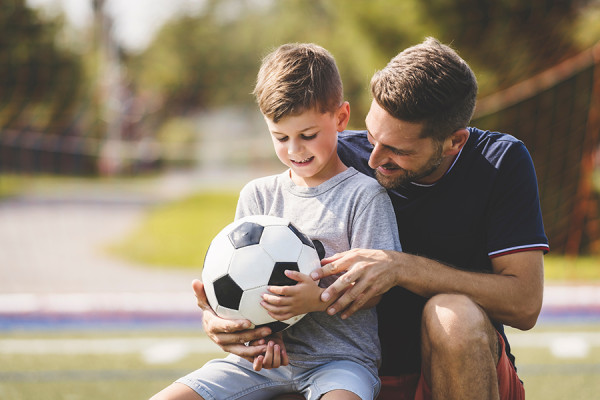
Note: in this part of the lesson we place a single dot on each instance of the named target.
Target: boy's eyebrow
(300, 131)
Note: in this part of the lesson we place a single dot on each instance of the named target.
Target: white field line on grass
(19, 303)
(184, 301)
(575, 295)
(203, 345)
(152, 350)
(560, 344)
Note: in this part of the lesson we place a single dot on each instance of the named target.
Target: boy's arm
(285, 302)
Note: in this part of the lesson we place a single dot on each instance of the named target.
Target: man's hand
(285, 302)
(230, 335)
(369, 273)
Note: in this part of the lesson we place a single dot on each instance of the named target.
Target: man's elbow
(528, 316)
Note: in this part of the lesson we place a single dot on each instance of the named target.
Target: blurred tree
(211, 59)
(509, 39)
(39, 80)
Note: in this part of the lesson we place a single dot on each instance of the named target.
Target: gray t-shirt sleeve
(375, 227)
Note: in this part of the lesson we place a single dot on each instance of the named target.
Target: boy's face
(307, 144)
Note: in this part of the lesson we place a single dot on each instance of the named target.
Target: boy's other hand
(230, 335)
(274, 357)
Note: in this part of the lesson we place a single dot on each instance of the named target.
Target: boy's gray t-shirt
(348, 211)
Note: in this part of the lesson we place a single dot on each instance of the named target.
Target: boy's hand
(285, 302)
(274, 357)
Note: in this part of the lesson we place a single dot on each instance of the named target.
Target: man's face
(400, 155)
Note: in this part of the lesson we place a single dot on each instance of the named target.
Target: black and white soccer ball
(247, 256)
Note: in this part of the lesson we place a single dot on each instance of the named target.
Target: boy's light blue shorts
(233, 378)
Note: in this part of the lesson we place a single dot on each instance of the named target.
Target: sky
(135, 21)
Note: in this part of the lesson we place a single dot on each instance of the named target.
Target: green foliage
(39, 80)
(178, 234)
(211, 59)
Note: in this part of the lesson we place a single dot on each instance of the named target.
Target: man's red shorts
(409, 387)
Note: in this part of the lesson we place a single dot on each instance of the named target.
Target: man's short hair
(428, 83)
(297, 77)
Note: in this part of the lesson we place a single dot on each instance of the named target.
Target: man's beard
(396, 182)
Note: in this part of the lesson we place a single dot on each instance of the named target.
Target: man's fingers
(336, 288)
(331, 259)
(247, 352)
(198, 287)
(355, 305)
(214, 324)
(328, 267)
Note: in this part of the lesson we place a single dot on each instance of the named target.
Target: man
(470, 224)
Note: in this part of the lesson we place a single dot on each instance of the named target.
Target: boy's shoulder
(363, 185)
(264, 182)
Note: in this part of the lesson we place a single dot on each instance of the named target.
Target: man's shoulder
(494, 146)
(350, 134)
(354, 150)
(485, 139)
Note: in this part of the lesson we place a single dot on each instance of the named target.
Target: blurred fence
(557, 115)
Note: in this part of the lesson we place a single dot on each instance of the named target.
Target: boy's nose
(294, 147)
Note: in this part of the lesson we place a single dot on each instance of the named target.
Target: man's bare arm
(512, 294)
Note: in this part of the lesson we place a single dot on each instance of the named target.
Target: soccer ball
(247, 256)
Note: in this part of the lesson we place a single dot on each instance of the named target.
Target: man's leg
(459, 349)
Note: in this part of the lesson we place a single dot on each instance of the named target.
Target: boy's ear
(342, 116)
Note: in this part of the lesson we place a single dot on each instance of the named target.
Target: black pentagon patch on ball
(320, 249)
(247, 234)
(228, 293)
(276, 326)
(303, 238)
(278, 277)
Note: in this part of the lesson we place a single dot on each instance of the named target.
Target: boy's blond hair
(295, 78)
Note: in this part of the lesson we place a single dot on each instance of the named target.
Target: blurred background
(127, 129)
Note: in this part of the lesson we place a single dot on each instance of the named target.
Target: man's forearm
(512, 294)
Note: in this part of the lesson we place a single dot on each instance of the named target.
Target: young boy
(299, 92)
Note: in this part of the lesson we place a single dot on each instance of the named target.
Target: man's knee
(455, 323)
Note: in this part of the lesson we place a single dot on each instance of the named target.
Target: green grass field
(178, 234)
(71, 365)
(117, 365)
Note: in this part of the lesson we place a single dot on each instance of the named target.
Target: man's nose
(377, 157)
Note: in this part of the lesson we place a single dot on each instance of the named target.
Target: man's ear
(456, 142)
(342, 116)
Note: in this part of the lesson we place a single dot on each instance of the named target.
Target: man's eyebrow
(393, 149)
